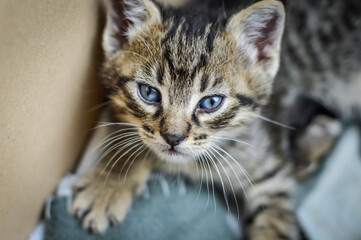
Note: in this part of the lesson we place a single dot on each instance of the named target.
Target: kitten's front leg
(105, 196)
(271, 210)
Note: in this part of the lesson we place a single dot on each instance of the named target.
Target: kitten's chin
(173, 156)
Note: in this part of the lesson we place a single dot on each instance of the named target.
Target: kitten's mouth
(172, 152)
(175, 154)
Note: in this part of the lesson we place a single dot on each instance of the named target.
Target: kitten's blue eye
(149, 94)
(211, 104)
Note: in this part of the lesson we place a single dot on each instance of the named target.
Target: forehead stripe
(167, 57)
(159, 76)
(217, 81)
(204, 82)
(210, 38)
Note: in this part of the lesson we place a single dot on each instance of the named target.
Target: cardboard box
(49, 56)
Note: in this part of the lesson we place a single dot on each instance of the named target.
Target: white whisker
(207, 184)
(234, 172)
(230, 182)
(142, 148)
(136, 54)
(201, 183)
(220, 178)
(121, 147)
(111, 168)
(111, 140)
(223, 63)
(274, 122)
(125, 145)
(125, 141)
(150, 51)
(244, 171)
(99, 106)
(106, 124)
(235, 140)
(178, 174)
(127, 65)
(131, 155)
(212, 182)
(146, 155)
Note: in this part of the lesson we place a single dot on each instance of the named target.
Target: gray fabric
(167, 211)
(330, 203)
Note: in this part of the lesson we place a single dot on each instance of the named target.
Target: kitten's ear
(125, 20)
(257, 31)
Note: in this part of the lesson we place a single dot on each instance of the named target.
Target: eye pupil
(148, 90)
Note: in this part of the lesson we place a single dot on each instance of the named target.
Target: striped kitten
(189, 92)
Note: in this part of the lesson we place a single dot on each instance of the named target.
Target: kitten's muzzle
(173, 139)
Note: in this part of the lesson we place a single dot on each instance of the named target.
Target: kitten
(191, 91)
(321, 63)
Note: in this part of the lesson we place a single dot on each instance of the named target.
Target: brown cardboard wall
(47, 89)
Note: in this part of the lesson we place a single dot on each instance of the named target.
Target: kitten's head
(187, 79)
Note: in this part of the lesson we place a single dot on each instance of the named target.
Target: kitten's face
(185, 86)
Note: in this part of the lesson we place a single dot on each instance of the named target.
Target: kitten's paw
(316, 142)
(274, 224)
(102, 200)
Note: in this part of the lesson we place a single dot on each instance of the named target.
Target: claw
(113, 220)
(77, 190)
(79, 213)
(93, 226)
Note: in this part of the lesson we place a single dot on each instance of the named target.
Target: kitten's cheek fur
(105, 197)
